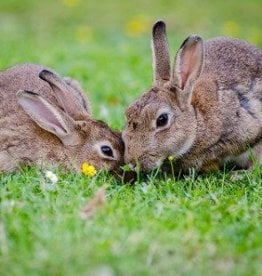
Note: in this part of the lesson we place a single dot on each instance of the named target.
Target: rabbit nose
(131, 155)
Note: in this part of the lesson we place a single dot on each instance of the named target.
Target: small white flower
(51, 176)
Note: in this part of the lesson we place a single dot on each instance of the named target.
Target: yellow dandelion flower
(137, 26)
(83, 33)
(88, 170)
(70, 3)
(231, 28)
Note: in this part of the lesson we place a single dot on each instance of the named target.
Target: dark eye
(162, 120)
(107, 151)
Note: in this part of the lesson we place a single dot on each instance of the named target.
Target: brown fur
(214, 103)
(23, 141)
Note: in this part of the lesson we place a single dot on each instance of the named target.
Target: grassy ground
(194, 226)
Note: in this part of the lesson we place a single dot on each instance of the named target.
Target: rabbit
(205, 109)
(246, 159)
(46, 119)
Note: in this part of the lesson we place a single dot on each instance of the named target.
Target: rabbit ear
(161, 60)
(188, 63)
(63, 94)
(48, 117)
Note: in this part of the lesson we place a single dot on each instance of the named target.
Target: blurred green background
(210, 225)
(106, 45)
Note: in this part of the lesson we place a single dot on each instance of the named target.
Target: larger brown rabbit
(207, 108)
(45, 118)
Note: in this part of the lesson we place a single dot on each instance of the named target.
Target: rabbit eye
(162, 120)
(107, 151)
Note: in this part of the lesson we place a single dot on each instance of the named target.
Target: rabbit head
(163, 122)
(68, 128)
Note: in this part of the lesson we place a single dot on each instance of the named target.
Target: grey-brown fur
(26, 138)
(213, 99)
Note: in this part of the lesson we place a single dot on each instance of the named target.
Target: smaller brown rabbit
(206, 110)
(46, 119)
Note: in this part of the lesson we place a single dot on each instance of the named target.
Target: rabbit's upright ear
(161, 59)
(48, 117)
(188, 64)
(65, 97)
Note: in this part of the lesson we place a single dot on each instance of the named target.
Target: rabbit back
(232, 61)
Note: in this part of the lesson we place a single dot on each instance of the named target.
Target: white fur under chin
(159, 162)
(185, 148)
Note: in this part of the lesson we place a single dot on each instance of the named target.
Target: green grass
(194, 226)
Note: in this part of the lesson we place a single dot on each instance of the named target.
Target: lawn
(210, 224)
